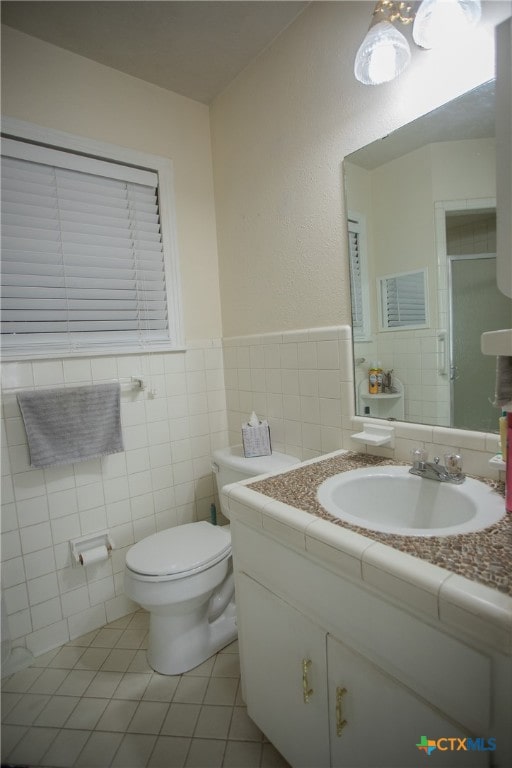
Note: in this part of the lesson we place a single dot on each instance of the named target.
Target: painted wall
(280, 132)
(52, 87)
(163, 478)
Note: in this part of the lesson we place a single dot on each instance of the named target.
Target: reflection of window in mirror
(403, 300)
(359, 277)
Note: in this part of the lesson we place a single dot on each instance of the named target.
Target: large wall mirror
(421, 206)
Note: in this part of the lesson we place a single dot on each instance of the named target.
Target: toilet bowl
(183, 577)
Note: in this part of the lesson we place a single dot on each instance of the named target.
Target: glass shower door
(476, 306)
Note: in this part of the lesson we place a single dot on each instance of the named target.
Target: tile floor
(95, 702)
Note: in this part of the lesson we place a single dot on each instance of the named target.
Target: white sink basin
(391, 500)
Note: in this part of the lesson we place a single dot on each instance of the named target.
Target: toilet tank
(230, 466)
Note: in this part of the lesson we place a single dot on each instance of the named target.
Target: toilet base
(178, 644)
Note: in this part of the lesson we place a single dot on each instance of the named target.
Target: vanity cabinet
(285, 675)
(337, 672)
(321, 703)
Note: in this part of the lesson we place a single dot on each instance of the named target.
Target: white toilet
(184, 577)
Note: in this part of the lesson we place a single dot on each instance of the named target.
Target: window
(358, 278)
(403, 301)
(88, 266)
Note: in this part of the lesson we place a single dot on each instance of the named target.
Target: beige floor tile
(49, 681)
(231, 648)
(99, 750)
(213, 722)
(67, 657)
(117, 716)
(161, 687)
(65, 748)
(76, 682)
(11, 735)
(169, 752)
(132, 685)
(118, 660)
(134, 751)
(31, 748)
(84, 640)
(131, 638)
(104, 684)
(57, 711)
(96, 703)
(92, 658)
(139, 663)
(226, 665)
(106, 638)
(202, 670)
(45, 658)
(8, 702)
(22, 681)
(28, 708)
(221, 690)
(148, 717)
(242, 727)
(139, 620)
(242, 753)
(191, 690)
(87, 713)
(181, 720)
(205, 753)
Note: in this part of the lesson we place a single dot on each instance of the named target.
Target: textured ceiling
(191, 47)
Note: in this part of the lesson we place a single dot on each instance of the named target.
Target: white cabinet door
(376, 722)
(283, 659)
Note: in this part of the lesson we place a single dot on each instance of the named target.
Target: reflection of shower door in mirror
(476, 306)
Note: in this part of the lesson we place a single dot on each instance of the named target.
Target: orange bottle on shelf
(373, 385)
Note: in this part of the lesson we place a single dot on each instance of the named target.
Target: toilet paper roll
(93, 555)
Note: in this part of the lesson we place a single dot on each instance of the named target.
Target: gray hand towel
(72, 424)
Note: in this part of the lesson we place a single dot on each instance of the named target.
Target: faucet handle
(419, 457)
(453, 463)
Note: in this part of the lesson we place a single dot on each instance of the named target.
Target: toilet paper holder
(81, 546)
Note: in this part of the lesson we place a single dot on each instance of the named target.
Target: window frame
(97, 150)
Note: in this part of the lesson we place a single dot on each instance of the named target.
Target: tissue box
(256, 440)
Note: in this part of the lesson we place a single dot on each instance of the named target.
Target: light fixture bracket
(392, 11)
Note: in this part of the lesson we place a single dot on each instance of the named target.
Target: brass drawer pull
(340, 722)
(306, 690)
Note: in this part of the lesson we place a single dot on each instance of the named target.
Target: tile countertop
(463, 580)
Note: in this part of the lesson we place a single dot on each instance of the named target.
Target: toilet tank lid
(233, 457)
(185, 548)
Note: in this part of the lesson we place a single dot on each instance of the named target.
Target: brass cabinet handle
(306, 690)
(340, 722)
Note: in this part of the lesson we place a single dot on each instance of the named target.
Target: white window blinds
(82, 257)
(358, 280)
(403, 300)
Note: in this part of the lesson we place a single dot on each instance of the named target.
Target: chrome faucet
(433, 470)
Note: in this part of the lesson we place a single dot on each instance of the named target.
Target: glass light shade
(382, 55)
(437, 21)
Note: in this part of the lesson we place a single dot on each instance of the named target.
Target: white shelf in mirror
(497, 342)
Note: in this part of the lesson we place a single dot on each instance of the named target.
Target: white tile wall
(301, 381)
(162, 479)
(304, 386)
(297, 381)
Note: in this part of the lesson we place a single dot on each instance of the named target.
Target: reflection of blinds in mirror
(403, 300)
(358, 281)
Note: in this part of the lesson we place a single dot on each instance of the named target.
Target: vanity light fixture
(385, 51)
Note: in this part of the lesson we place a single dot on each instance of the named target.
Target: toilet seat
(179, 552)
